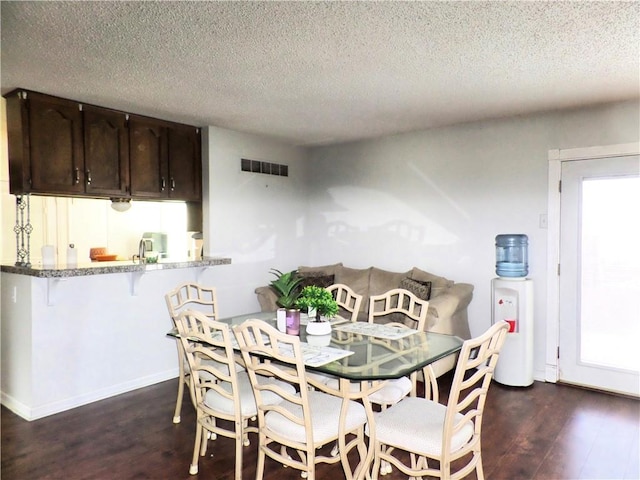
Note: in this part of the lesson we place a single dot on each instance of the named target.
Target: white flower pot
(319, 340)
(318, 328)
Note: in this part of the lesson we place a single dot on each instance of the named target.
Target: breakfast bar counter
(72, 336)
(99, 268)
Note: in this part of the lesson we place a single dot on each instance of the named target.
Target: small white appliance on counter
(156, 242)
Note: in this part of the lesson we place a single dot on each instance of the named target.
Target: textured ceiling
(315, 73)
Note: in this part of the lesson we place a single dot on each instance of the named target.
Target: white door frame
(556, 157)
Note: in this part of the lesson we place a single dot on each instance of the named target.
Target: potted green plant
(324, 306)
(286, 285)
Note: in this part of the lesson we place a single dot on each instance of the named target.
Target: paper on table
(217, 336)
(376, 330)
(316, 356)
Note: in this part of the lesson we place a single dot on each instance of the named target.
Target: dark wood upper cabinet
(165, 159)
(148, 157)
(106, 152)
(185, 163)
(63, 147)
(45, 144)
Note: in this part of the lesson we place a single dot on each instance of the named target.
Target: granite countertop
(100, 268)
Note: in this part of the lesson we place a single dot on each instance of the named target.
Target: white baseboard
(539, 376)
(34, 413)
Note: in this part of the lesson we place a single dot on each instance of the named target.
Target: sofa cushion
(357, 279)
(438, 284)
(317, 279)
(420, 289)
(323, 270)
(381, 281)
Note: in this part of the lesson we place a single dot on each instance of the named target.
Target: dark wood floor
(544, 432)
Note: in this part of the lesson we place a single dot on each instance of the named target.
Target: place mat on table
(376, 330)
(316, 356)
(217, 336)
(312, 355)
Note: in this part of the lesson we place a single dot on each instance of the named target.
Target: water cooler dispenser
(512, 301)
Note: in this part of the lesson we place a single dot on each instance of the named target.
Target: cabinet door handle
(163, 184)
(88, 177)
(173, 184)
(76, 180)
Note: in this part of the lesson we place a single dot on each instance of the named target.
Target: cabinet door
(55, 145)
(185, 169)
(148, 158)
(106, 151)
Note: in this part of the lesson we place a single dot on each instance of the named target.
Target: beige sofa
(447, 304)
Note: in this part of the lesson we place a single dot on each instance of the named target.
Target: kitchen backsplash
(89, 223)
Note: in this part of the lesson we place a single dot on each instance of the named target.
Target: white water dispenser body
(513, 303)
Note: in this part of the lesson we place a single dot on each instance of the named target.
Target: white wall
(71, 341)
(436, 199)
(257, 220)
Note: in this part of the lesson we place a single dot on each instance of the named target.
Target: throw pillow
(317, 279)
(324, 269)
(420, 289)
(438, 284)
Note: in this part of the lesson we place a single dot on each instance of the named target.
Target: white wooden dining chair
(349, 302)
(400, 307)
(303, 422)
(397, 307)
(195, 297)
(221, 392)
(432, 432)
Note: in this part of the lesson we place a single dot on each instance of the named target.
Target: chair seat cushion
(392, 392)
(219, 403)
(416, 424)
(325, 417)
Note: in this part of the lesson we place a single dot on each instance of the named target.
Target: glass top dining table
(364, 353)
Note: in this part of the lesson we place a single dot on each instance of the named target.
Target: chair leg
(422, 464)
(261, 458)
(479, 470)
(204, 440)
(193, 469)
(245, 436)
(376, 469)
(178, 410)
(238, 475)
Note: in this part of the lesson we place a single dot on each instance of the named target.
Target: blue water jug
(512, 255)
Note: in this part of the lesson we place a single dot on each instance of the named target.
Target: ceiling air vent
(256, 166)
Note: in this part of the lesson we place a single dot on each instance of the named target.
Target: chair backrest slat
(261, 344)
(400, 306)
(347, 299)
(192, 296)
(473, 374)
(208, 347)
